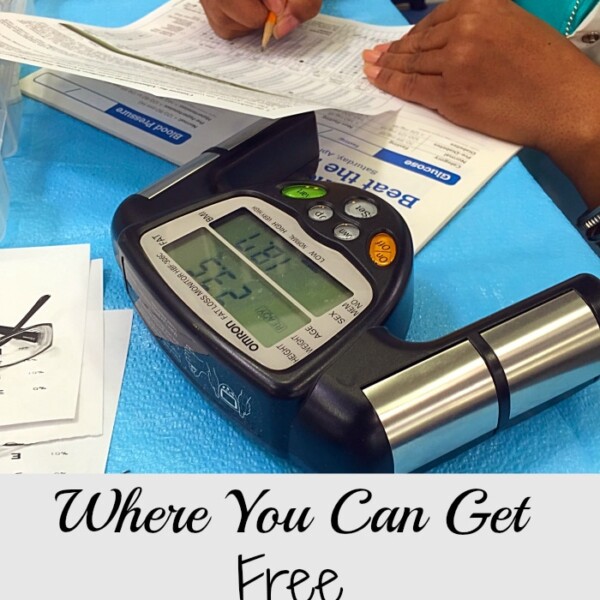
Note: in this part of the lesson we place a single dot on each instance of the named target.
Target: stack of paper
(319, 67)
(57, 408)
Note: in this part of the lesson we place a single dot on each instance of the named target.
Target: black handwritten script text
(356, 511)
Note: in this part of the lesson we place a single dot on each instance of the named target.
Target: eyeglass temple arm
(32, 311)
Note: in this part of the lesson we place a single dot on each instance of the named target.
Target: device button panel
(357, 215)
(346, 217)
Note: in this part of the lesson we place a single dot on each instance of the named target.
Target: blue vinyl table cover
(509, 242)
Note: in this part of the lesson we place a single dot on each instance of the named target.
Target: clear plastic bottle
(10, 113)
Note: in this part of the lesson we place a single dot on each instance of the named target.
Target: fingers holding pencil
(230, 19)
(234, 18)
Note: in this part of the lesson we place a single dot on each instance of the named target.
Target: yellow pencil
(268, 30)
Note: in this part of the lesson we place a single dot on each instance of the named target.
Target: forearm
(575, 144)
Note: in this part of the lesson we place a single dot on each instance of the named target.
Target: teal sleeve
(564, 15)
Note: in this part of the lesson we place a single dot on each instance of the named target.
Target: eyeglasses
(18, 343)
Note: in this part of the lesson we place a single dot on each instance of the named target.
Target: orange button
(382, 249)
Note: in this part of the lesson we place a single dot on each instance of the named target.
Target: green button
(304, 191)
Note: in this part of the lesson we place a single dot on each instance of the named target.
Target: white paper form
(87, 454)
(420, 163)
(416, 160)
(44, 388)
(173, 52)
(88, 418)
(174, 130)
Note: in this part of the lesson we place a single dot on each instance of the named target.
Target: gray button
(346, 232)
(320, 212)
(360, 208)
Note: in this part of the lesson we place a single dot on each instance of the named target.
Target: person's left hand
(485, 64)
(493, 67)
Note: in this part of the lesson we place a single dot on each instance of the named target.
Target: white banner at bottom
(300, 537)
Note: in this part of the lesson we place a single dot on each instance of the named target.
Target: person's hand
(234, 18)
(490, 66)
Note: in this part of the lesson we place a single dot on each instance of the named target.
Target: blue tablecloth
(509, 242)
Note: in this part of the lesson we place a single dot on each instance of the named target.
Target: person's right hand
(234, 18)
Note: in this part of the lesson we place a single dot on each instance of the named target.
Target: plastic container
(3, 180)
(10, 104)
(3, 200)
(10, 113)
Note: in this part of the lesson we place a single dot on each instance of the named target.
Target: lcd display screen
(258, 307)
(288, 267)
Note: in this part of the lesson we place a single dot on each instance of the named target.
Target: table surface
(509, 242)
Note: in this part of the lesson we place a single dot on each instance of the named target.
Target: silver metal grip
(547, 351)
(435, 406)
(450, 399)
